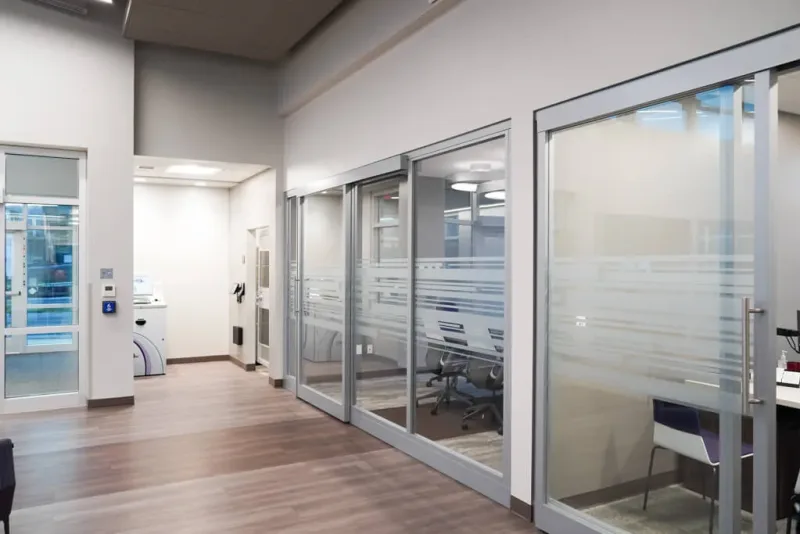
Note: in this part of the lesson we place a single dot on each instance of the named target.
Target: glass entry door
(322, 301)
(41, 260)
(262, 297)
(380, 299)
(656, 360)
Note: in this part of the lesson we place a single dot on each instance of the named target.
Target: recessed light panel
(193, 170)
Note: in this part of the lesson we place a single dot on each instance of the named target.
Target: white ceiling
(154, 171)
(257, 29)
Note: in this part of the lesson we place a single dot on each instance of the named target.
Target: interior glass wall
(322, 297)
(416, 240)
(651, 252)
(459, 299)
(380, 286)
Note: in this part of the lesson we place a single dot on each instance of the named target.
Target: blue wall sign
(109, 306)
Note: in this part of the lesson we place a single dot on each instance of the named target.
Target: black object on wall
(238, 335)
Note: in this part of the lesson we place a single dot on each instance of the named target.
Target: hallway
(210, 449)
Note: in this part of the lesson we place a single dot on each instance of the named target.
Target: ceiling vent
(73, 8)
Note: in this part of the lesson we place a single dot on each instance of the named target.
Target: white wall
(361, 33)
(483, 62)
(253, 205)
(180, 239)
(69, 83)
(199, 105)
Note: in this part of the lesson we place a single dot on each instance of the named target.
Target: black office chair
(446, 366)
(795, 513)
(8, 482)
(487, 376)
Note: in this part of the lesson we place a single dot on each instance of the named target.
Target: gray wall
(199, 105)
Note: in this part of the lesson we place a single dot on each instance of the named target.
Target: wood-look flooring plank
(212, 449)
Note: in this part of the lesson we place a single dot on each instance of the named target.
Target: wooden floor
(212, 449)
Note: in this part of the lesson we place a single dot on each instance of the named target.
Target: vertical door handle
(747, 311)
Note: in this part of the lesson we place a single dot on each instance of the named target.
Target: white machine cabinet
(149, 332)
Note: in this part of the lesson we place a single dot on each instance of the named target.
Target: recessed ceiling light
(193, 170)
(394, 198)
(480, 165)
(106, 1)
(140, 180)
(465, 186)
(496, 195)
(200, 184)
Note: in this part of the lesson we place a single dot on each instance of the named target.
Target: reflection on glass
(651, 252)
(459, 300)
(322, 331)
(380, 295)
(41, 293)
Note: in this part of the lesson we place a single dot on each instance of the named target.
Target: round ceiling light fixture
(469, 187)
(496, 195)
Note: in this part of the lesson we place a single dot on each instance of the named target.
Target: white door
(42, 261)
(262, 300)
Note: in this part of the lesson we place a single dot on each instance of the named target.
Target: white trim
(55, 152)
(20, 331)
(83, 287)
(47, 201)
(37, 403)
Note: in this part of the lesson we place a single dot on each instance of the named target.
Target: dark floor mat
(446, 424)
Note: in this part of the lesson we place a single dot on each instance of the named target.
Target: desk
(788, 397)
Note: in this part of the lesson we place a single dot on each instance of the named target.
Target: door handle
(13, 293)
(747, 311)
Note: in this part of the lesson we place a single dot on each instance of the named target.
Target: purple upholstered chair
(677, 428)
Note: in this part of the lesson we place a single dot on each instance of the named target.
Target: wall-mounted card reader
(109, 290)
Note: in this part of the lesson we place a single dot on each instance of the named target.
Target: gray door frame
(759, 58)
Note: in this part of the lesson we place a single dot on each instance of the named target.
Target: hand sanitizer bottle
(782, 360)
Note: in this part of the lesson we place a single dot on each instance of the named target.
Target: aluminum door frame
(760, 58)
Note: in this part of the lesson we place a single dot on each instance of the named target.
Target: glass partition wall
(657, 408)
(398, 303)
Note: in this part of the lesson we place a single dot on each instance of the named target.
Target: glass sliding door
(654, 276)
(459, 300)
(291, 334)
(42, 263)
(380, 299)
(322, 300)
